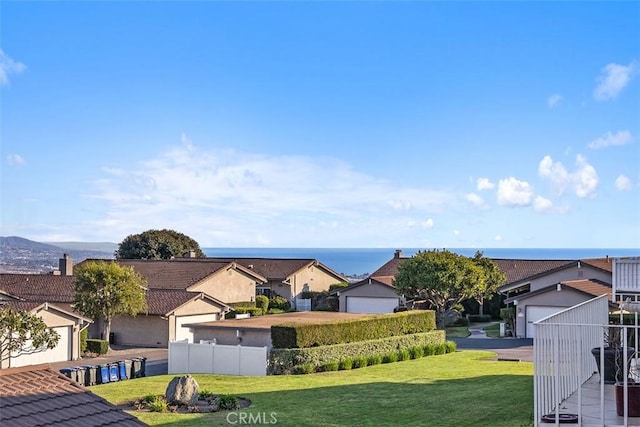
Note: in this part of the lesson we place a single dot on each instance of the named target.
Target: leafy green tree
(157, 244)
(442, 278)
(105, 289)
(493, 277)
(22, 332)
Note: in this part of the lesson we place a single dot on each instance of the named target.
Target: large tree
(493, 277)
(105, 289)
(441, 277)
(157, 244)
(22, 332)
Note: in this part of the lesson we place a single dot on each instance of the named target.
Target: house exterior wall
(228, 336)
(565, 298)
(141, 330)
(367, 290)
(228, 285)
(572, 273)
(192, 308)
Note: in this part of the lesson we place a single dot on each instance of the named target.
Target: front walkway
(591, 410)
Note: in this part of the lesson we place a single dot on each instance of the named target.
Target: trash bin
(91, 374)
(80, 374)
(122, 370)
(104, 374)
(114, 372)
(143, 366)
(112, 338)
(139, 365)
(128, 364)
(70, 373)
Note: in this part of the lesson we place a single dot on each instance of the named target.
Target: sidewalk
(508, 349)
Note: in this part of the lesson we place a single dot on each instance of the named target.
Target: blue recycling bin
(104, 374)
(122, 366)
(114, 372)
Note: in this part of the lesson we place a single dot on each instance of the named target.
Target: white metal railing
(562, 353)
(626, 275)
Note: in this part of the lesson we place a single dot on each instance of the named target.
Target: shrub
(359, 362)
(306, 368)
(84, 334)
(479, 318)
(329, 366)
(450, 346)
(97, 346)
(150, 397)
(262, 302)
(253, 311)
(338, 286)
(227, 402)
(275, 311)
(276, 301)
(403, 354)
(390, 357)
(416, 352)
(158, 404)
(206, 394)
(364, 329)
(429, 349)
(345, 364)
(374, 359)
(462, 321)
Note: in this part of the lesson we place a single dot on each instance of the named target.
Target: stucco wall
(565, 298)
(573, 273)
(228, 285)
(227, 336)
(142, 330)
(367, 290)
(54, 319)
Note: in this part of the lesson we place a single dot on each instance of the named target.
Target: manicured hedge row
(369, 328)
(254, 311)
(97, 346)
(282, 361)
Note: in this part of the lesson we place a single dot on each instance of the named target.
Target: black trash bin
(104, 373)
(138, 368)
(91, 374)
(70, 373)
(143, 366)
(112, 338)
(81, 373)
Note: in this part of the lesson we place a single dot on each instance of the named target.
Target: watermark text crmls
(252, 418)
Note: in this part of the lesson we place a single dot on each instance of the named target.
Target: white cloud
(554, 100)
(543, 205)
(623, 183)
(456, 232)
(583, 181)
(485, 184)
(612, 80)
(15, 159)
(621, 137)
(230, 197)
(512, 192)
(497, 238)
(476, 200)
(8, 66)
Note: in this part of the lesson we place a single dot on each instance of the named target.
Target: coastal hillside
(20, 255)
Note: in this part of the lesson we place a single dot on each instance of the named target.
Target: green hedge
(282, 361)
(262, 302)
(97, 346)
(253, 311)
(84, 335)
(369, 328)
(479, 318)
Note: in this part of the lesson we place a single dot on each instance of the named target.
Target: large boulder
(182, 391)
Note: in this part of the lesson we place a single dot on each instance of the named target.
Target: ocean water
(359, 261)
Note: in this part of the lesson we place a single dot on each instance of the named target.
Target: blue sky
(323, 124)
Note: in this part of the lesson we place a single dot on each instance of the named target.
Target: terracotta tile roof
(22, 305)
(516, 270)
(382, 280)
(38, 287)
(274, 269)
(390, 268)
(590, 286)
(164, 301)
(601, 263)
(39, 396)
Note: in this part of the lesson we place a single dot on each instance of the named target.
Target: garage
(183, 333)
(371, 304)
(535, 313)
(60, 353)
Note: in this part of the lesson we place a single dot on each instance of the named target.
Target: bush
(84, 335)
(364, 329)
(307, 368)
(479, 318)
(329, 366)
(337, 286)
(281, 361)
(462, 321)
(416, 352)
(276, 301)
(262, 302)
(345, 364)
(359, 362)
(158, 404)
(97, 346)
(206, 394)
(253, 311)
(403, 354)
(374, 359)
(390, 357)
(275, 311)
(227, 402)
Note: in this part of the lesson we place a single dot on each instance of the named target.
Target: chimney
(398, 253)
(66, 265)
(190, 254)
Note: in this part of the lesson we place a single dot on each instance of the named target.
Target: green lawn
(457, 332)
(493, 331)
(457, 389)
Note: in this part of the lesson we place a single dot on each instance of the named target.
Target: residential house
(38, 396)
(48, 297)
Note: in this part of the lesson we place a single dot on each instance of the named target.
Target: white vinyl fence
(206, 358)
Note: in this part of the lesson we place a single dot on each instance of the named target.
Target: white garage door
(184, 333)
(371, 305)
(60, 353)
(535, 313)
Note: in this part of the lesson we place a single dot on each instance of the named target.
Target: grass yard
(456, 389)
(493, 331)
(457, 332)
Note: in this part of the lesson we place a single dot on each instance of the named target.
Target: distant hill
(19, 255)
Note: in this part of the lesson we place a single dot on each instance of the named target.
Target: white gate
(186, 358)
